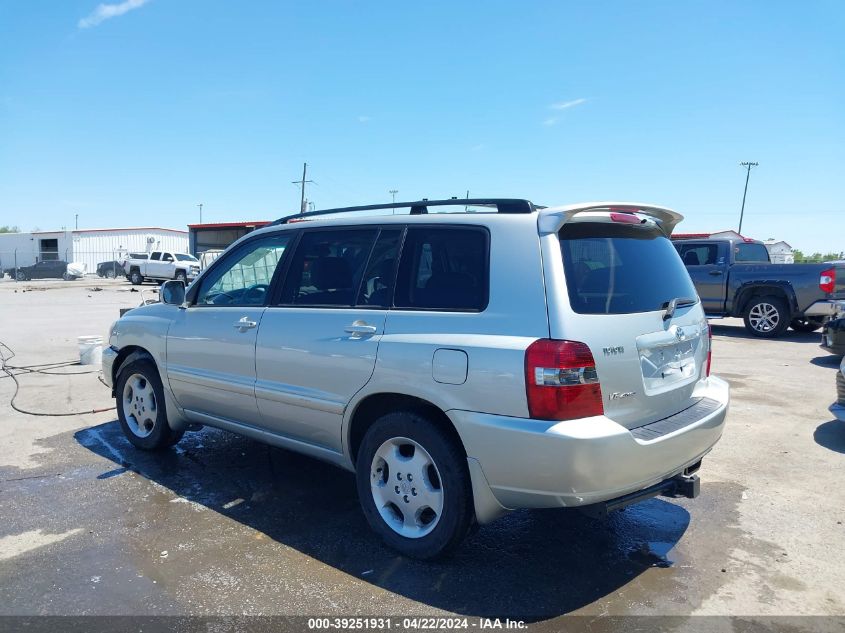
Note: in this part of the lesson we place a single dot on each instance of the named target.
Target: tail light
(709, 349)
(827, 280)
(561, 382)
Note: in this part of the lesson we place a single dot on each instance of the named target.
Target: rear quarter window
(621, 269)
(444, 269)
(751, 253)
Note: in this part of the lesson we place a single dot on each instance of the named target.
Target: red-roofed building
(218, 235)
(704, 236)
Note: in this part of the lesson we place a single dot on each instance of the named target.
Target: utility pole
(76, 221)
(200, 206)
(748, 165)
(393, 193)
(301, 184)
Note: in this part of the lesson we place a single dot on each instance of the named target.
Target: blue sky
(132, 113)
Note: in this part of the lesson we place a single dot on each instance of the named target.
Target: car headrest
(691, 259)
(330, 273)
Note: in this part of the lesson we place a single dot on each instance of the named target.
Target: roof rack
(420, 207)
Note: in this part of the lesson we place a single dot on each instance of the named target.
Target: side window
(751, 253)
(167, 257)
(443, 269)
(155, 257)
(377, 284)
(327, 267)
(243, 278)
(698, 254)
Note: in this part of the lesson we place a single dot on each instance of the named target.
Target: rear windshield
(621, 269)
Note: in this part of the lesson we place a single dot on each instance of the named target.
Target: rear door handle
(245, 324)
(360, 328)
(715, 273)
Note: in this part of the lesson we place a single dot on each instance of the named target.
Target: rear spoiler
(552, 219)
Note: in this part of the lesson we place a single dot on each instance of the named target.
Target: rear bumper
(537, 464)
(825, 309)
(838, 411)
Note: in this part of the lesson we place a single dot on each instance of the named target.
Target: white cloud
(563, 105)
(550, 121)
(364, 119)
(105, 12)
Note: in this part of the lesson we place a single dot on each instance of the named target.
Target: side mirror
(173, 292)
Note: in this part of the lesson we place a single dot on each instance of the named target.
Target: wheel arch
(129, 354)
(748, 292)
(374, 405)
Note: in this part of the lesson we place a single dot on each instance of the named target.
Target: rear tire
(414, 485)
(806, 324)
(136, 278)
(767, 317)
(139, 397)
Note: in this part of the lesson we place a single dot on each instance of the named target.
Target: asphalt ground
(223, 525)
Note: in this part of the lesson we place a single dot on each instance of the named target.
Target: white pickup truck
(162, 265)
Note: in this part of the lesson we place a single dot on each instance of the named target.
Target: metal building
(87, 246)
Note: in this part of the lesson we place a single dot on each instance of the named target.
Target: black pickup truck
(734, 277)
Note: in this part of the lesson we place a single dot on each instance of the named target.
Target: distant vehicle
(127, 257)
(734, 277)
(838, 407)
(833, 336)
(161, 266)
(52, 269)
(110, 269)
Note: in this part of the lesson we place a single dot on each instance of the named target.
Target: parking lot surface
(225, 525)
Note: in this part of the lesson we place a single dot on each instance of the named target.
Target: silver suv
(462, 364)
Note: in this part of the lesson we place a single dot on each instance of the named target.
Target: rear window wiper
(678, 302)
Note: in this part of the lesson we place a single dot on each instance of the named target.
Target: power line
(302, 184)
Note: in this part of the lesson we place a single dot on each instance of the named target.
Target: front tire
(767, 317)
(110, 274)
(414, 485)
(141, 407)
(181, 276)
(806, 324)
(20, 275)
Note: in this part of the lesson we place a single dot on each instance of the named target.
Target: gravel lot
(224, 525)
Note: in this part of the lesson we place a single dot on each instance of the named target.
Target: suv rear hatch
(626, 294)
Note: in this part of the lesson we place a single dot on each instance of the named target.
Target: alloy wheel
(764, 317)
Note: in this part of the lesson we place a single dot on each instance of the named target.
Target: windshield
(621, 269)
(186, 258)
